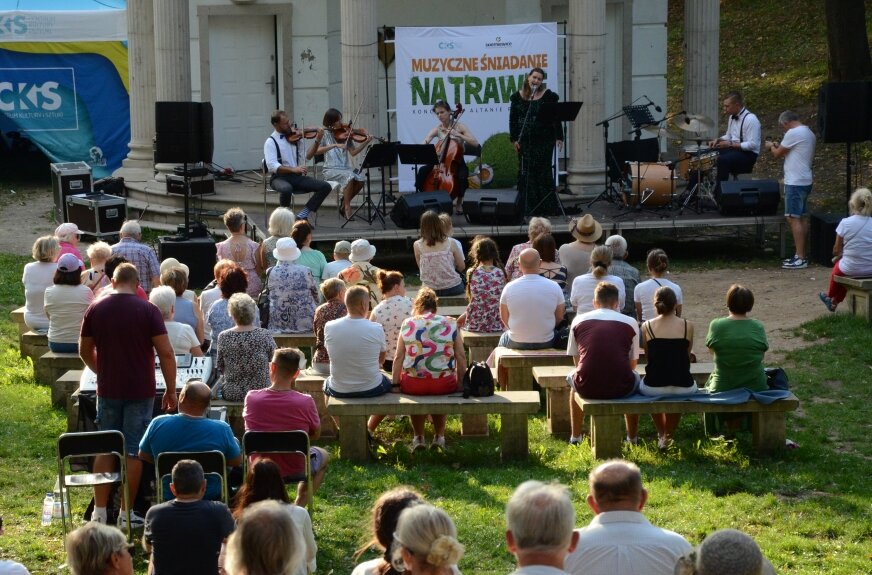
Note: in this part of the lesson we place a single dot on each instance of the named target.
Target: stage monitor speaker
(492, 207)
(844, 112)
(184, 132)
(822, 236)
(408, 209)
(749, 198)
(196, 253)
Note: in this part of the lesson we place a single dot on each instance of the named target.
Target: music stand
(419, 155)
(549, 113)
(378, 156)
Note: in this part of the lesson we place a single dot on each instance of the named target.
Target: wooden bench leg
(557, 402)
(606, 432)
(474, 425)
(769, 430)
(352, 438)
(518, 379)
(328, 427)
(514, 438)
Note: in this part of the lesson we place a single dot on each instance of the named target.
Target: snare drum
(695, 158)
(656, 182)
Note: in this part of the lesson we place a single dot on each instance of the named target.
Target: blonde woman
(536, 227)
(658, 266)
(583, 287)
(853, 247)
(438, 258)
(426, 542)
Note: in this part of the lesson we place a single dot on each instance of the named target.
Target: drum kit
(652, 184)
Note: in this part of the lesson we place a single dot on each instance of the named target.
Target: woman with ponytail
(643, 295)
(425, 542)
(583, 286)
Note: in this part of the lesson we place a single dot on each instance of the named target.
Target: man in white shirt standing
(620, 539)
(530, 307)
(797, 149)
(286, 163)
(739, 147)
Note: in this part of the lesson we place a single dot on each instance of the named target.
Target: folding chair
(213, 463)
(290, 442)
(90, 444)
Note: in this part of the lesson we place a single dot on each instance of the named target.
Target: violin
(343, 132)
(298, 134)
(443, 174)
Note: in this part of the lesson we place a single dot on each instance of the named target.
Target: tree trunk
(847, 42)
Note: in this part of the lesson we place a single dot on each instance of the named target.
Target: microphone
(650, 103)
(536, 88)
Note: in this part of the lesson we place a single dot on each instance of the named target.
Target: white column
(587, 52)
(702, 37)
(140, 64)
(360, 65)
(172, 41)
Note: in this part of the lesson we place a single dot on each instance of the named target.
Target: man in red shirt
(120, 335)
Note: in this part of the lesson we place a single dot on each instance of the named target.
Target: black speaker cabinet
(822, 236)
(749, 198)
(493, 207)
(843, 112)
(197, 253)
(183, 132)
(409, 207)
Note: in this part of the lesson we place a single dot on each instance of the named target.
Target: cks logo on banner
(39, 98)
(14, 25)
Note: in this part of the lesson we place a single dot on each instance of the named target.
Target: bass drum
(652, 184)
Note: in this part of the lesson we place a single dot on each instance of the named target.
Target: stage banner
(478, 66)
(64, 87)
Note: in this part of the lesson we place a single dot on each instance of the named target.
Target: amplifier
(67, 179)
(749, 198)
(200, 185)
(187, 367)
(409, 208)
(98, 215)
(196, 253)
(822, 236)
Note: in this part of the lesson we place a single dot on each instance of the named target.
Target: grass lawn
(809, 508)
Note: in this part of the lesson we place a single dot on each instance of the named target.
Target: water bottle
(47, 509)
(56, 512)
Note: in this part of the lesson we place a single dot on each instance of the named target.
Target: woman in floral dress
(393, 310)
(292, 291)
(244, 351)
(333, 290)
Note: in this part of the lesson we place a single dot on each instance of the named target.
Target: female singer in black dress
(534, 141)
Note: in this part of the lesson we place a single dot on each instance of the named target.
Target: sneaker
(796, 263)
(417, 443)
(576, 439)
(438, 442)
(791, 259)
(136, 520)
(828, 301)
(662, 443)
(99, 516)
(631, 440)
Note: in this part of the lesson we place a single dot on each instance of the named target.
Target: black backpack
(478, 381)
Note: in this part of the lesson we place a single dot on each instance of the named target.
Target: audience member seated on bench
(182, 337)
(668, 344)
(658, 266)
(232, 280)
(439, 259)
(393, 310)
(584, 286)
(266, 540)
(357, 350)
(210, 295)
(191, 430)
(113, 262)
(628, 274)
(536, 226)
(540, 521)
(333, 290)
(241, 249)
(175, 275)
(548, 267)
(280, 407)
(281, 223)
(385, 514)
(575, 255)
(620, 539)
(853, 247)
(264, 483)
(185, 535)
(65, 305)
(429, 360)
(244, 351)
(37, 277)
(95, 277)
(725, 551)
(293, 294)
(361, 272)
(605, 345)
(531, 307)
(341, 251)
(485, 281)
(426, 541)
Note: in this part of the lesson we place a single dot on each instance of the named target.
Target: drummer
(739, 147)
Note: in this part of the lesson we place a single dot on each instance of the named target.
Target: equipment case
(67, 179)
(98, 215)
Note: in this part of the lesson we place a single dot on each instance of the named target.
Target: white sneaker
(417, 443)
(438, 442)
(99, 516)
(136, 520)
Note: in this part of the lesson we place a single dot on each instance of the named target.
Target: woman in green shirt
(737, 343)
(312, 259)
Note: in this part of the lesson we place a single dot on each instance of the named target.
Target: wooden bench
(516, 366)
(302, 341)
(479, 344)
(50, 368)
(859, 297)
(70, 380)
(451, 310)
(768, 425)
(447, 300)
(552, 379)
(17, 317)
(33, 344)
(313, 385)
(513, 408)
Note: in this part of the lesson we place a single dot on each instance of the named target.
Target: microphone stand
(609, 194)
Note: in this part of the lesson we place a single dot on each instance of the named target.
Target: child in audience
(486, 279)
(439, 259)
(385, 514)
(448, 228)
(643, 295)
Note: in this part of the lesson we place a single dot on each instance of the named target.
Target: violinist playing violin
(335, 141)
(286, 162)
(460, 135)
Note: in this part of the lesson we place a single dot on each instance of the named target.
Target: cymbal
(695, 123)
(665, 131)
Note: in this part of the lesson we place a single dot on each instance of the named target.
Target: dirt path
(784, 298)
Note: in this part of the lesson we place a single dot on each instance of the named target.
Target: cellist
(460, 134)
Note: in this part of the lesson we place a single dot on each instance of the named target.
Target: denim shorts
(506, 341)
(129, 416)
(381, 389)
(795, 198)
(61, 347)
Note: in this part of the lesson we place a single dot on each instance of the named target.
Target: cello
(443, 174)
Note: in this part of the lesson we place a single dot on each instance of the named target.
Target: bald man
(191, 430)
(619, 539)
(530, 307)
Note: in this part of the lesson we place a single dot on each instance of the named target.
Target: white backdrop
(478, 66)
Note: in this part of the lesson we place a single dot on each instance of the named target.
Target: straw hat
(362, 251)
(174, 263)
(286, 250)
(587, 229)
